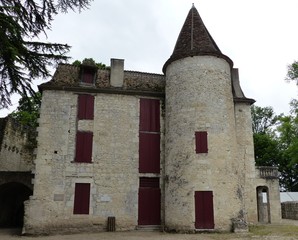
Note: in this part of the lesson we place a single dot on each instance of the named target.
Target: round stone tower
(202, 169)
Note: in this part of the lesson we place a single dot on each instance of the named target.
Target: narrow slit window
(201, 142)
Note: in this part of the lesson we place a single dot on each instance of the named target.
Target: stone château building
(172, 151)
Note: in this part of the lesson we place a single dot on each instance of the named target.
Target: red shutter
(149, 153)
(149, 115)
(201, 142)
(88, 76)
(85, 106)
(204, 216)
(84, 141)
(82, 198)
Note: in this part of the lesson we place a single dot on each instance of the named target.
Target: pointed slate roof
(194, 40)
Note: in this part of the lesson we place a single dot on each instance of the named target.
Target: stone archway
(12, 197)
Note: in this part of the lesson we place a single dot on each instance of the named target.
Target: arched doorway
(263, 202)
(12, 197)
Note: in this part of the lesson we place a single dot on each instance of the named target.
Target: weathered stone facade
(17, 145)
(198, 94)
(290, 210)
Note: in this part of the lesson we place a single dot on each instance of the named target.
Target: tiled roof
(194, 40)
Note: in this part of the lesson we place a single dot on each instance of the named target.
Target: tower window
(201, 142)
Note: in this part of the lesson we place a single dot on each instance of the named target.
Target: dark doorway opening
(12, 197)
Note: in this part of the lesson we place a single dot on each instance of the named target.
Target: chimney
(117, 72)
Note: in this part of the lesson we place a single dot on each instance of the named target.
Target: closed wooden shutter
(88, 75)
(81, 198)
(84, 142)
(85, 106)
(149, 153)
(201, 142)
(149, 115)
(149, 136)
(204, 216)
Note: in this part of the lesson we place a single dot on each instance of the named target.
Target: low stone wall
(289, 210)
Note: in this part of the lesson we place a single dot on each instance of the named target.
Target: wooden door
(204, 217)
(149, 202)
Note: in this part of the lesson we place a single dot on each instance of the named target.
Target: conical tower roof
(194, 40)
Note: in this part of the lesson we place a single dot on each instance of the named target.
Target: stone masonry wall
(247, 188)
(289, 210)
(113, 173)
(16, 148)
(199, 98)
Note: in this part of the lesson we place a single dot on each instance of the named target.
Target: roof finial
(193, 5)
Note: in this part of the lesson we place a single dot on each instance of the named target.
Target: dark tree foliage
(27, 112)
(21, 58)
(90, 62)
(276, 143)
(292, 74)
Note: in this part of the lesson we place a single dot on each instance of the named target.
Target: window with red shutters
(85, 107)
(81, 198)
(201, 142)
(88, 75)
(149, 115)
(149, 136)
(84, 141)
(149, 153)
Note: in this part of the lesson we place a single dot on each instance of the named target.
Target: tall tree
(276, 143)
(21, 58)
(27, 112)
(288, 144)
(292, 74)
(265, 141)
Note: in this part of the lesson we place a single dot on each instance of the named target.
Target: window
(85, 106)
(88, 75)
(84, 141)
(149, 115)
(149, 136)
(149, 153)
(81, 198)
(201, 142)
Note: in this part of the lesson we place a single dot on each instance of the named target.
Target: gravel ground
(288, 230)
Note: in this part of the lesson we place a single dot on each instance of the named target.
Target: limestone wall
(113, 173)
(245, 148)
(273, 196)
(199, 98)
(16, 146)
(289, 210)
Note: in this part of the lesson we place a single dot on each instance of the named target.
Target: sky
(260, 36)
